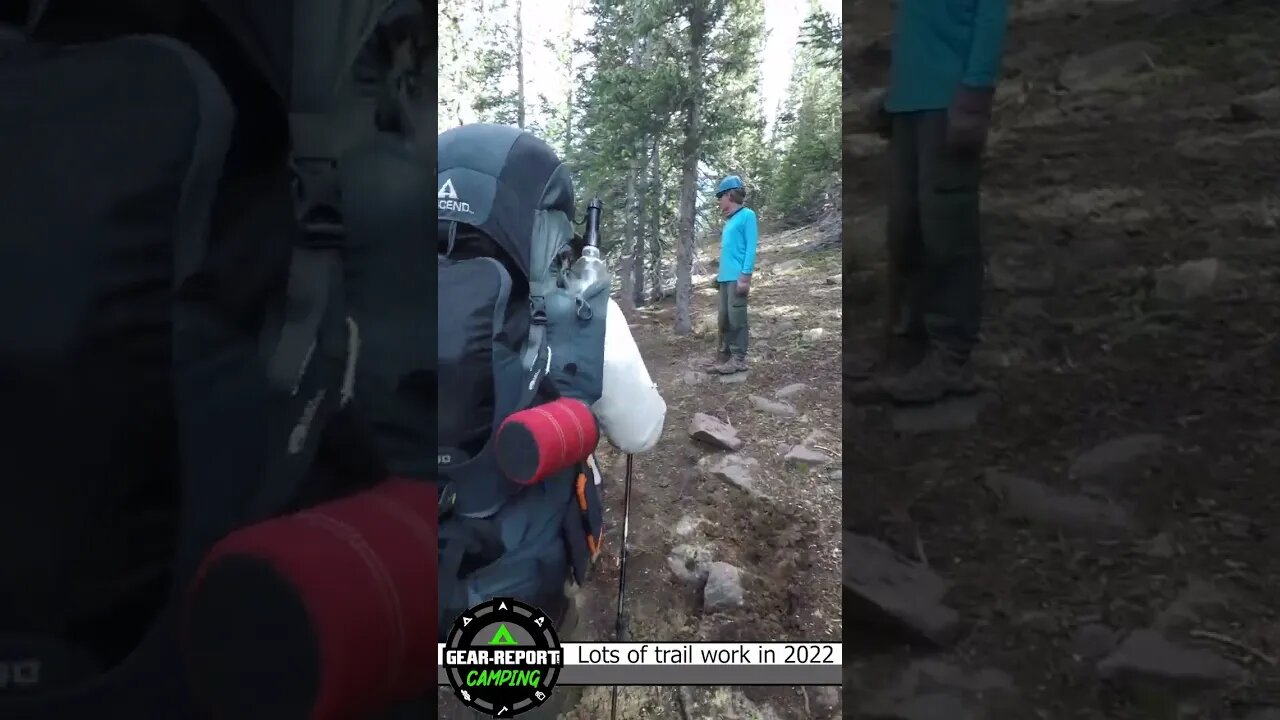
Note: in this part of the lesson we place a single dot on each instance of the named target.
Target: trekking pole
(620, 629)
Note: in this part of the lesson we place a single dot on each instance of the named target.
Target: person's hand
(969, 119)
(744, 285)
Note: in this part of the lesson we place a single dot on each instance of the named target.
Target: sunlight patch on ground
(1262, 213)
(1065, 203)
(1213, 147)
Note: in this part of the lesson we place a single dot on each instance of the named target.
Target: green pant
(733, 321)
(935, 248)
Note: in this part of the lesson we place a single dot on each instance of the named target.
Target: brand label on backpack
(19, 674)
(447, 198)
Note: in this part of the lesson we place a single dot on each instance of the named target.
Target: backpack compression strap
(317, 346)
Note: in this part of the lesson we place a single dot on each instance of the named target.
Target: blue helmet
(733, 182)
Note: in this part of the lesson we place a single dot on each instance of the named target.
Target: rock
(930, 689)
(693, 377)
(958, 413)
(818, 437)
(1146, 657)
(801, 456)
(826, 699)
(885, 589)
(734, 379)
(790, 391)
(1160, 546)
(1116, 456)
(773, 407)
(838, 475)
(814, 334)
(1186, 609)
(788, 266)
(706, 325)
(1093, 641)
(724, 587)
(1073, 514)
(690, 563)
(833, 279)
(733, 469)
(1107, 66)
(715, 433)
(1263, 106)
(1192, 280)
(687, 525)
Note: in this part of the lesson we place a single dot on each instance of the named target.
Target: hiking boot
(714, 365)
(934, 378)
(731, 366)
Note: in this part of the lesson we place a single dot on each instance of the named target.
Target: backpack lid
(499, 178)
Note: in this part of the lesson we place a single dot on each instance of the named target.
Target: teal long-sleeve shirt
(738, 244)
(939, 45)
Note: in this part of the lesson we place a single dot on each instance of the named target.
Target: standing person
(946, 63)
(737, 260)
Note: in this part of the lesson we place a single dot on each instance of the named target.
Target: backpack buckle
(537, 310)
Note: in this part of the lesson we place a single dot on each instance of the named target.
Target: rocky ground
(735, 529)
(735, 514)
(1099, 537)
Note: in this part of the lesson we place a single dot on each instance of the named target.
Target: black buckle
(537, 310)
(317, 199)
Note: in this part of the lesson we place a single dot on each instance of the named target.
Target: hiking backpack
(176, 348)
(510, 337)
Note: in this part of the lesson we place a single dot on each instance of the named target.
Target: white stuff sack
(630, 409)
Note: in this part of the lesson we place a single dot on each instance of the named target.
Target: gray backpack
(510, 337)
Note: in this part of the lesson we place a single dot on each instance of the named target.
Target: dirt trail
(783, 534)
(1131, 566)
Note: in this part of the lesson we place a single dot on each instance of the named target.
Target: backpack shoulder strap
(313, 357)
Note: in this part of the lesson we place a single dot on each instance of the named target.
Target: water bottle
(589, 273)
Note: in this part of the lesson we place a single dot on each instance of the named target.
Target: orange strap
(594, 543)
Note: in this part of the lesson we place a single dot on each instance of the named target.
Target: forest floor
(1099, 538)
(697, 509)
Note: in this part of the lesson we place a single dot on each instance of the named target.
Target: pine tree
(808, 172)
(662, 99)
(494, 75)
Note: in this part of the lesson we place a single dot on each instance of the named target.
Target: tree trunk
(629, 275)
(655, 219)
(572, 7)
(689, 172)
(520, 63)
(639, 248)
